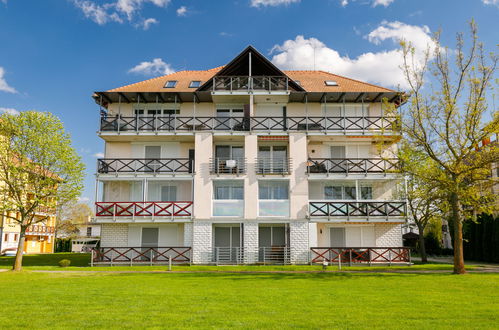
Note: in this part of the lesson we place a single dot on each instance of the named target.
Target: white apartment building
(246, 163)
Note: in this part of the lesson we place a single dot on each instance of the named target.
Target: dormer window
(331, 83)
(195, 84)
(171, 84)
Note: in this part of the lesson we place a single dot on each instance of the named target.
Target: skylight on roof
(331, 83)
(195, 84)
(171, 84)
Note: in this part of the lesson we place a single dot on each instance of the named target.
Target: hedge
(481, 239)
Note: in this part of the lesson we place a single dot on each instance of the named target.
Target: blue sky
(55, 53)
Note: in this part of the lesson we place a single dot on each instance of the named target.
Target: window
(6, 237)
(273, 190)
(366, 192)
(15, 237)
(195, 84)
(89, 231)
(164, 112)
(330, 83)
(230, 112)
(340, 192)
(229, 190)
(171, 84)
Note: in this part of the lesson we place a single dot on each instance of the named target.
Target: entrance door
(150, 239)
(273, 159)
(337, 237)
(273, 244)
(224, 156)
(227, 244)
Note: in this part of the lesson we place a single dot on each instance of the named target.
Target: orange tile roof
(311, 81)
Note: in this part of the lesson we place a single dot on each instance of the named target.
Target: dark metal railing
(146, 165)
(274, 255)
(357, 208)
(224, 165)
(368, 255)
(265, 165)
(186, 124)
(143, 209)
(247, 83)
(352, 165)
(140, 255)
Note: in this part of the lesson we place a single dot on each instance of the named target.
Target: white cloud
(9, 111)
(99, 155)
(4, 87)
(381, 67)
(182, 11)
(147, 23)
(118, 10)
(272, 3)
(153, 68)
(384, 3)
(491, 2)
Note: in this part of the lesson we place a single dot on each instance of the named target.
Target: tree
(424, 199)
(445, 120)
(39, 169)
(71, 216)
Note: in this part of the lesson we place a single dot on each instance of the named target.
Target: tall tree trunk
(18, 263)
(458, 235)
(422, 246)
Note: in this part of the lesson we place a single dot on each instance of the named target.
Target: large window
(273, 198)
(228, 198)
(341, 192)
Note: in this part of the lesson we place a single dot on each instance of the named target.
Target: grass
(81, 262)
(270, 301)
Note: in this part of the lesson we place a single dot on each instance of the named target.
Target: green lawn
(273, 301)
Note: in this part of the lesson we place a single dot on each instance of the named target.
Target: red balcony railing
(368, 255)
(143, 209)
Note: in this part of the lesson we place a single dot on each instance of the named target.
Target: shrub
(64, 263)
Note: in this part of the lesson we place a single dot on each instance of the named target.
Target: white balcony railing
(228, 208)
(273, 208)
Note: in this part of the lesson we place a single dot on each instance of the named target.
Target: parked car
(10, 252)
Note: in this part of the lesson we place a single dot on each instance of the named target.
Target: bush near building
(481, 239)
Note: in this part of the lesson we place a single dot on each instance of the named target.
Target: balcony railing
(228, 255)
(247, 83)
(140, 255)
(352, 165)
(147, 165)
(357, 208)
(143, 209)
(273, 165)
(228, 207)
(40, 230)
(269, 124)
(273, 207)
(367, 255)
(274, 255)
(230, 165)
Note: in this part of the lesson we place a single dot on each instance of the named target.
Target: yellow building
(39, 237)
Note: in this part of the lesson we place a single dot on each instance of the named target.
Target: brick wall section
(201, 245)
(250, 242)
(188, 234)
(298, 239)
(388, 235)
(114, 235)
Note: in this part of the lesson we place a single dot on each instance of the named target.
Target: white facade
(244, 177)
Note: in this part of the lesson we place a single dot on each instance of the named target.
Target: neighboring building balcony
(312, 125)
(149, 210)
(250, 84)
(366, 255)
(228, 165)
(145, 166)
(347, 209)
(352, 166)
(272, 166)
(40, 230)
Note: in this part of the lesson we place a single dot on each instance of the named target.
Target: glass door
(152, 156)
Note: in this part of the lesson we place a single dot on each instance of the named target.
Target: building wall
(114, 235)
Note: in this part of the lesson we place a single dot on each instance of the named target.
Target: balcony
(144, 209)
(174, 124)
(224, 165)
(228, 207)
(246, 84)
(265, 166)
(40, 230)
(365, 209)
(149, 165)
(367, 255)
(141, 255)
(273, 208)
(352, 165)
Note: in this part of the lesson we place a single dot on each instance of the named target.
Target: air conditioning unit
(230, 163)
